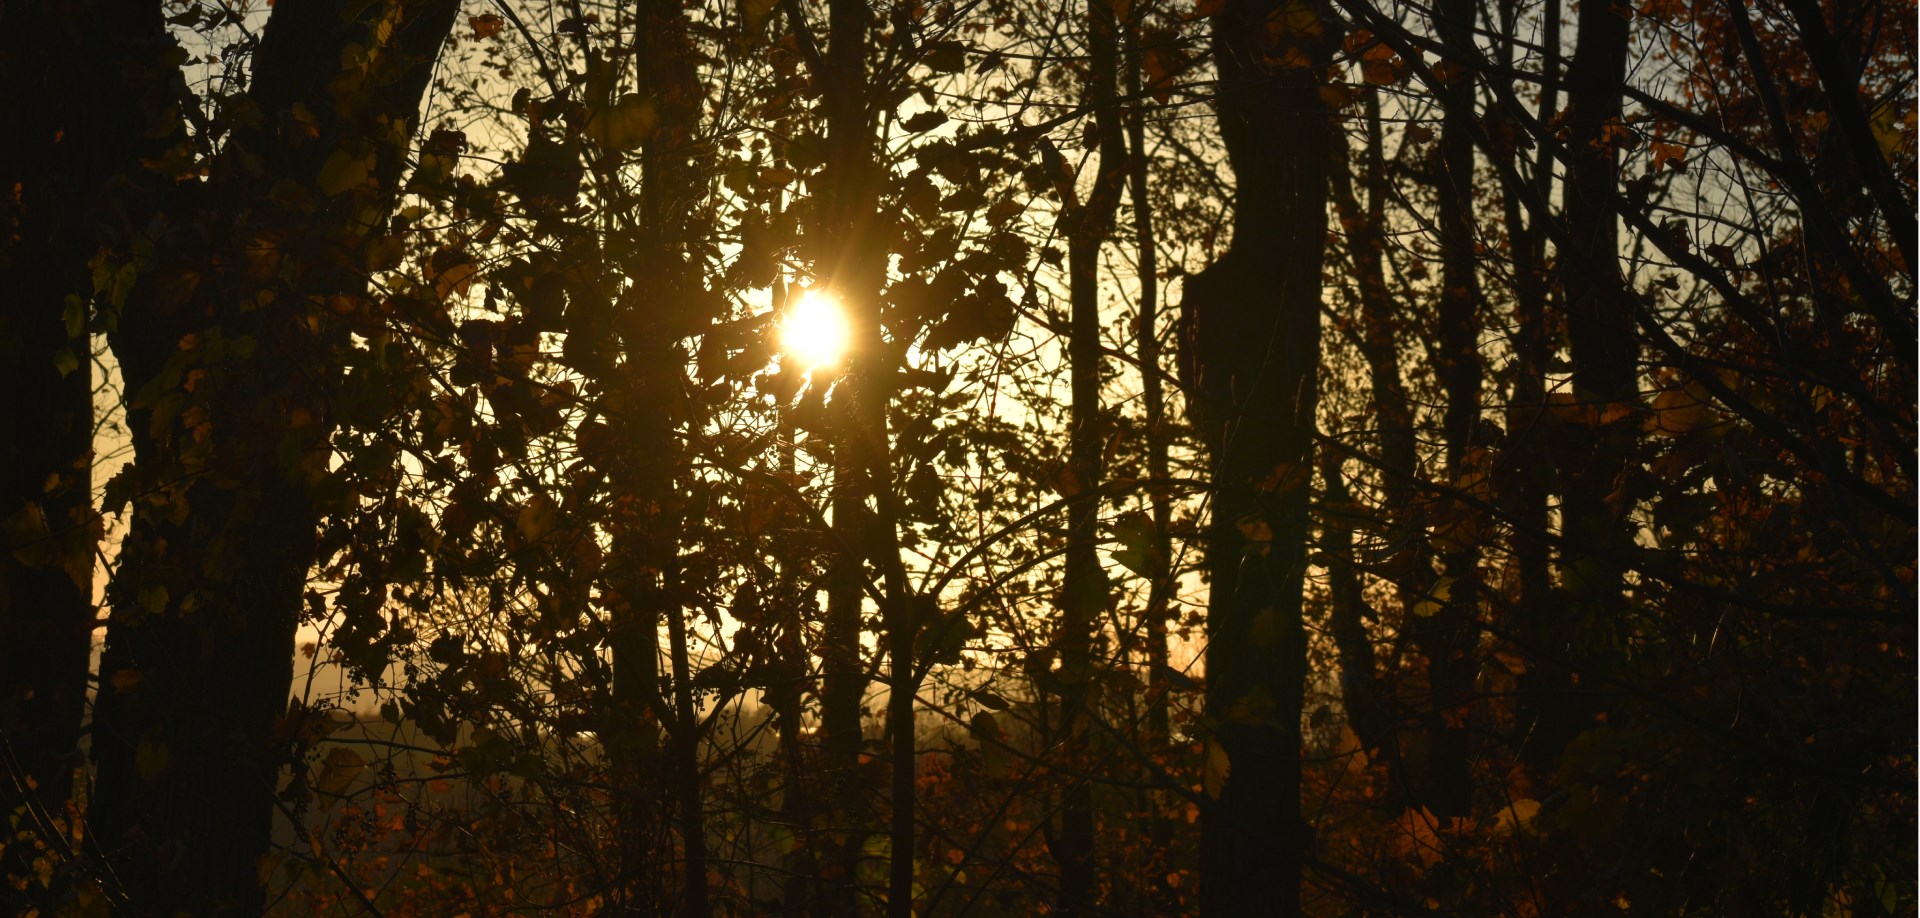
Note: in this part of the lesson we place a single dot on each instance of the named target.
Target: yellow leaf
(342, 171)
(1519, 815)
(1435, 598)
(1890, 131)
(624, 125)
(1219, 767)
(342, 766)
(538, 517)
(1679, 411)
(455, 280)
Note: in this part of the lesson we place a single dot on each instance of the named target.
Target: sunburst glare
(814, 332)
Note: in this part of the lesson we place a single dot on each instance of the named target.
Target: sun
(815, 331)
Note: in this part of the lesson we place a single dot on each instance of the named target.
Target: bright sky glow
(814, 332)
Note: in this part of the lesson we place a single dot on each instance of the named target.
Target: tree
(73, 165)
(230, 344)
(1253, 320)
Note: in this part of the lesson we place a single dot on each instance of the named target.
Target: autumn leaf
(625, 125)
(1680, 410)
(343, 171)
(1435, 599)
(341, 766)
(1517, 815)
(538, 516)
(485, 26)
(1216, 771)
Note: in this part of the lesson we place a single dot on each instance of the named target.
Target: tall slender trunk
(1601, 340)
(686, 756)
(1448, 637)
(1153, 398)
(1524, 470)
(76, 131)
(1366, 699)
(1084, 592)
(851, 264)
(199, 646)
(1253, 328)
(653, 317)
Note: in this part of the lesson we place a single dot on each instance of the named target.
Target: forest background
(1332, 457)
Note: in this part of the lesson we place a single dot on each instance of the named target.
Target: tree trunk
(1523, 479)
(1158, 718)
(1368, 702)
(1448, 638)
(1084, 591)
(665, 303)
(76, 133)
(229, 349)
(1605, 350)
(1253, 329)
(848, 264)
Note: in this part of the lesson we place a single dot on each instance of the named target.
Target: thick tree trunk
(1253, 323)
(85, 83)
(228, 349)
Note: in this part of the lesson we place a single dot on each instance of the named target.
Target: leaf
(28, 536)
(342, 171)
(1004, 210)
(1139, 550)
(538, 517)
(385, 253)
(1218, 768)
(452, 272)
(946, 638)
(624, 125)
(1418, 838)
(1518, 815)
(925, 121)
(946, 57)
(1680, 410)
(342, 765)
(1436, 598)
(1571, 408)
(990, 700)
(486, 25)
